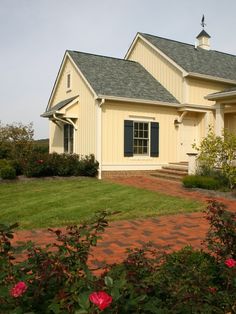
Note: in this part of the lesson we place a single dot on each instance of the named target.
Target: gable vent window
(68, 139)
(141, 138)
(68, 81)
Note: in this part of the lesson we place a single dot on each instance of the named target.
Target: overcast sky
(34, 35)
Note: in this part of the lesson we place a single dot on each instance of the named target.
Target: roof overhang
(140, 101)
(60, 111)
(227, 95)
(210, 78)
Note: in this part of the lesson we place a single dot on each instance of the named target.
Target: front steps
(173, 171)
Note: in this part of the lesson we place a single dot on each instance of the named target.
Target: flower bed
(57, 279)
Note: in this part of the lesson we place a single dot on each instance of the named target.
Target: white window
(141, 138)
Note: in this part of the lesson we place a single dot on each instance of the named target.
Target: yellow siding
(158, 67)
(199, 88)
(113, 116)
(55, 138)
(230, 122)
(85, 109)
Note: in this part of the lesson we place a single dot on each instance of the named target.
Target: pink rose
(40, 161)
(230, 262)
(18, 289)
(101, 299)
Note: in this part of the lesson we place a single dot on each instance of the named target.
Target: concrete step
(177, 168)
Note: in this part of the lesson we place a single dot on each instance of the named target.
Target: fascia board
(221, 95)
(135, 100)
(210, 78)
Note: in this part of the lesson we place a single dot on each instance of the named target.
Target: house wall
(85, 110)
(113, 116)
(158, 67)
(230, 122)
(199, 88)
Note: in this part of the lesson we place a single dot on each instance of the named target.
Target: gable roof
(196, 60)
(120, 78)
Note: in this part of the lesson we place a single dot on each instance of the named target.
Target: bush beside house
(57, 279)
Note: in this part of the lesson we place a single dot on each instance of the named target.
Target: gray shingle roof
(121, 78)
(207, 62)
(58, 106)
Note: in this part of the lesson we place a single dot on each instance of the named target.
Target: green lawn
(53, 203)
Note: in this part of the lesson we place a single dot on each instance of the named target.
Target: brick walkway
(174, 231)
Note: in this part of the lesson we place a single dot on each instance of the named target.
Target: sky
(34, 35)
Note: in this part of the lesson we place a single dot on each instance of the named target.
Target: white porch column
(219, 123)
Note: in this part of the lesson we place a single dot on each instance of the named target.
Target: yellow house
(143, 111)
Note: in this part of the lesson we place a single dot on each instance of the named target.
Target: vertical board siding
(85, 109)
(199, 88)
(158, 67)
(113, 116)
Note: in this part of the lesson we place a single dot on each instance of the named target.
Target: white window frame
(69, 151)
(148, 150)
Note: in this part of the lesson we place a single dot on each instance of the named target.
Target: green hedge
(202, 182)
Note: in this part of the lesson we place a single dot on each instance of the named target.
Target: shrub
(44, 164)
(195, 181)
(57, 279)
(8, 173)
(220, 152)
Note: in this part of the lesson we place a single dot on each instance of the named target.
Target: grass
(53, 203)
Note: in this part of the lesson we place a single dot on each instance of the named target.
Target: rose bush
(58, 279)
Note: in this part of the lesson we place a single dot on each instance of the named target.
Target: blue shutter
(154, 139)
(128, 138)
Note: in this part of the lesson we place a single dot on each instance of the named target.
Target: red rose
(18, 289)
(101, 299)
(40, 161)
(230, 262)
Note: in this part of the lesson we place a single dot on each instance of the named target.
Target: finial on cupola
(203, 37)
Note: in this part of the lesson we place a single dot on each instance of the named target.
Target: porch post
(219, 122)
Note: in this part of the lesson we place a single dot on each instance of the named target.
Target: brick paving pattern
(172, 232)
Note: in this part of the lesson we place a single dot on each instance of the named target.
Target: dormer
(203, 40)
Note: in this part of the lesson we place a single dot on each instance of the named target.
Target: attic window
(68, 82)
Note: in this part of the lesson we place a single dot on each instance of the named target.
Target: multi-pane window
(68, 138)
(141, 138)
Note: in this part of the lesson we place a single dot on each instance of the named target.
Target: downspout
(99, 136)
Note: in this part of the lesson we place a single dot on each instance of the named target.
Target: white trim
(139, 36)
(210, 78)
(66, 55)
(124, 167)
(221, 95)
(99, 135)
(141, 118)
(201, 107)
(142, 101)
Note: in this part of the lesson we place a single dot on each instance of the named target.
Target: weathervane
(203, 21)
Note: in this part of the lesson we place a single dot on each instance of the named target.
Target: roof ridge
(181, 42)
(177, 41)
(102, 56)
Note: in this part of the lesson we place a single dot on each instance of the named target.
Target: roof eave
(221, 95)
(210, 78)
(137, 100)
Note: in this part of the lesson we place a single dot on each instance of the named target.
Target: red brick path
(175, 231)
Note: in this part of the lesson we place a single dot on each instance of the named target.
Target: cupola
(203, 37)
(203, 40)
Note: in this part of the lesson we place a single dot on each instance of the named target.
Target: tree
(16, 140)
